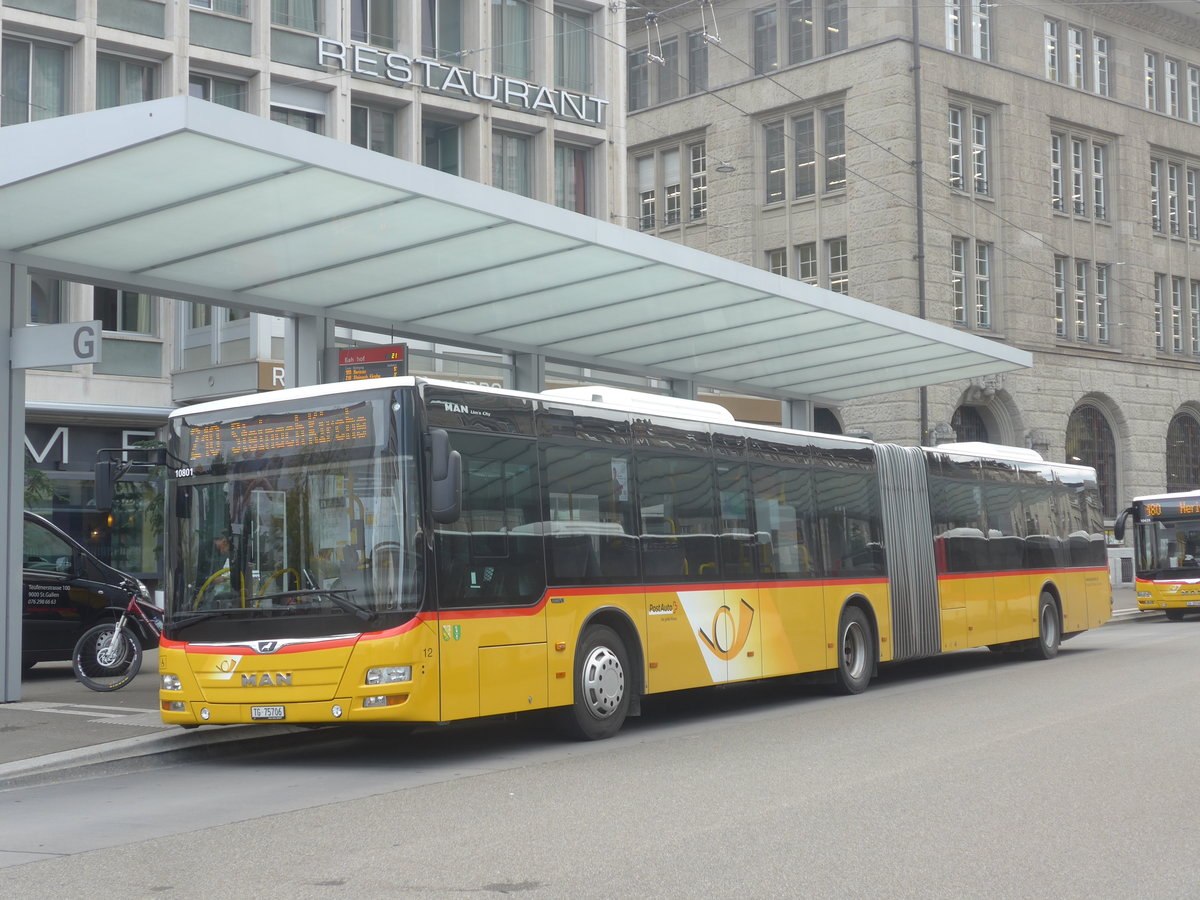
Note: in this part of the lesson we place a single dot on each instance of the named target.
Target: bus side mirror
(106, 478)
(445, 470)
(1119, 525)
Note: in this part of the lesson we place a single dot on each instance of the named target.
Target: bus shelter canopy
(187, 199)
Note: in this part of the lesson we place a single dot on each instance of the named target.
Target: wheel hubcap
(603, 682)
(854, 650)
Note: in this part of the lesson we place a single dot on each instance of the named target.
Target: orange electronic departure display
(343, 428)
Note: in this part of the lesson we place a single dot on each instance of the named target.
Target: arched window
(1090, 443)
(968, 425)
(825, 422)
(1183, 453)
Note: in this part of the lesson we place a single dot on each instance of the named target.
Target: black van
(66, 590)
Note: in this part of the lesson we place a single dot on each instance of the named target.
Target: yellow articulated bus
(1166, 551)
(410, 550)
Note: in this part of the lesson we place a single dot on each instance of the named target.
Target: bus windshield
(1164, 545)
(294, 523)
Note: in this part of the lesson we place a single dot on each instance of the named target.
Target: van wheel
(1045, 645)
(602, 686)
(856, 647)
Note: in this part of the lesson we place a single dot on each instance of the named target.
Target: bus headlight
(171, 683)
(389, 675)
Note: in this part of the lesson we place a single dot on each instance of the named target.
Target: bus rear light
(389, 675)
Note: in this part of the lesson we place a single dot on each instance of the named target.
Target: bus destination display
(362, 363)
(343, 428)
(1171, 508)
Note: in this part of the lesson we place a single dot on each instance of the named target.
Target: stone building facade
(1028, 172)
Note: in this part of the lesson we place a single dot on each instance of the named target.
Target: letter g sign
(85, 342)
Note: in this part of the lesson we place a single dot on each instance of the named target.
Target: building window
(1060, 296)
(697, 63)
(441, 145)
(231, 7)
(1156, 219)
(1102, 304)
(766, 41)
(971, 293)
(1177, 314)
(373, 128)
(33, 81)
(45, 300)
(1053, 62)
(298, 118)
(638, 76)
(1080, 306)
(1193, 94)
(1171, 86)
(777, 262)
(1089, 442)
(1087, 161)
(838, 254)
(573, 178)
(512, 162)
(698, 181)
(1069, 63)
(661, 189)
(304, 15)
(1183, 453)
(222, 91)
(980, 138)
(1195, 318)
(806, 263)
(373, 22)
(1193, 184)
(835, 25)
(969, 28)
(824, 129)
(572, 49)
(1150, 66)
(647, 195)
(1160, 292)
(123, 311)
(1101, 82)
(1173, 186)
(1081, 300)
(668, 71)
(441, 29)
(120, 81)
(512, 38)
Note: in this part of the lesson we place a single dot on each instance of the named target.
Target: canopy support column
(684, 388)
(14, 313)
(308, 340)
(529, 372)
(797, 414)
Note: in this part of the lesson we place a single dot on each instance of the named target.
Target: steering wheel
(207, 584)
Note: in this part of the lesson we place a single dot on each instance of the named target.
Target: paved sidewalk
(59, 724)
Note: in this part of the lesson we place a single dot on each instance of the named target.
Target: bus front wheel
(855, 651)
(1174, 615)
(1045, 645)
(602, 686)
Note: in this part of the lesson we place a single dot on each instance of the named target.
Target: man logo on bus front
(268, 646)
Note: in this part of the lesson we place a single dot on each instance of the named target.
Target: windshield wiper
(336, 595)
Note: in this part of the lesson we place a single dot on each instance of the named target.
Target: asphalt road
(964, 776)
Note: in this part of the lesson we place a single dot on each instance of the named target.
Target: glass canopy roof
(187, 199)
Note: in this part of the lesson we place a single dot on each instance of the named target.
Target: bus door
(491, 584)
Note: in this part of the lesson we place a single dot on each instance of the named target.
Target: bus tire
(1045, 645)
(602, 686)
(856, 647)
(1174, 615)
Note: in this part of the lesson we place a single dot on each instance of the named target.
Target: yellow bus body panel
(1178, 594)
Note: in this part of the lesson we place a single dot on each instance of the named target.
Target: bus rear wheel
(1045, 645)
(602, 686)
(856, 647)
